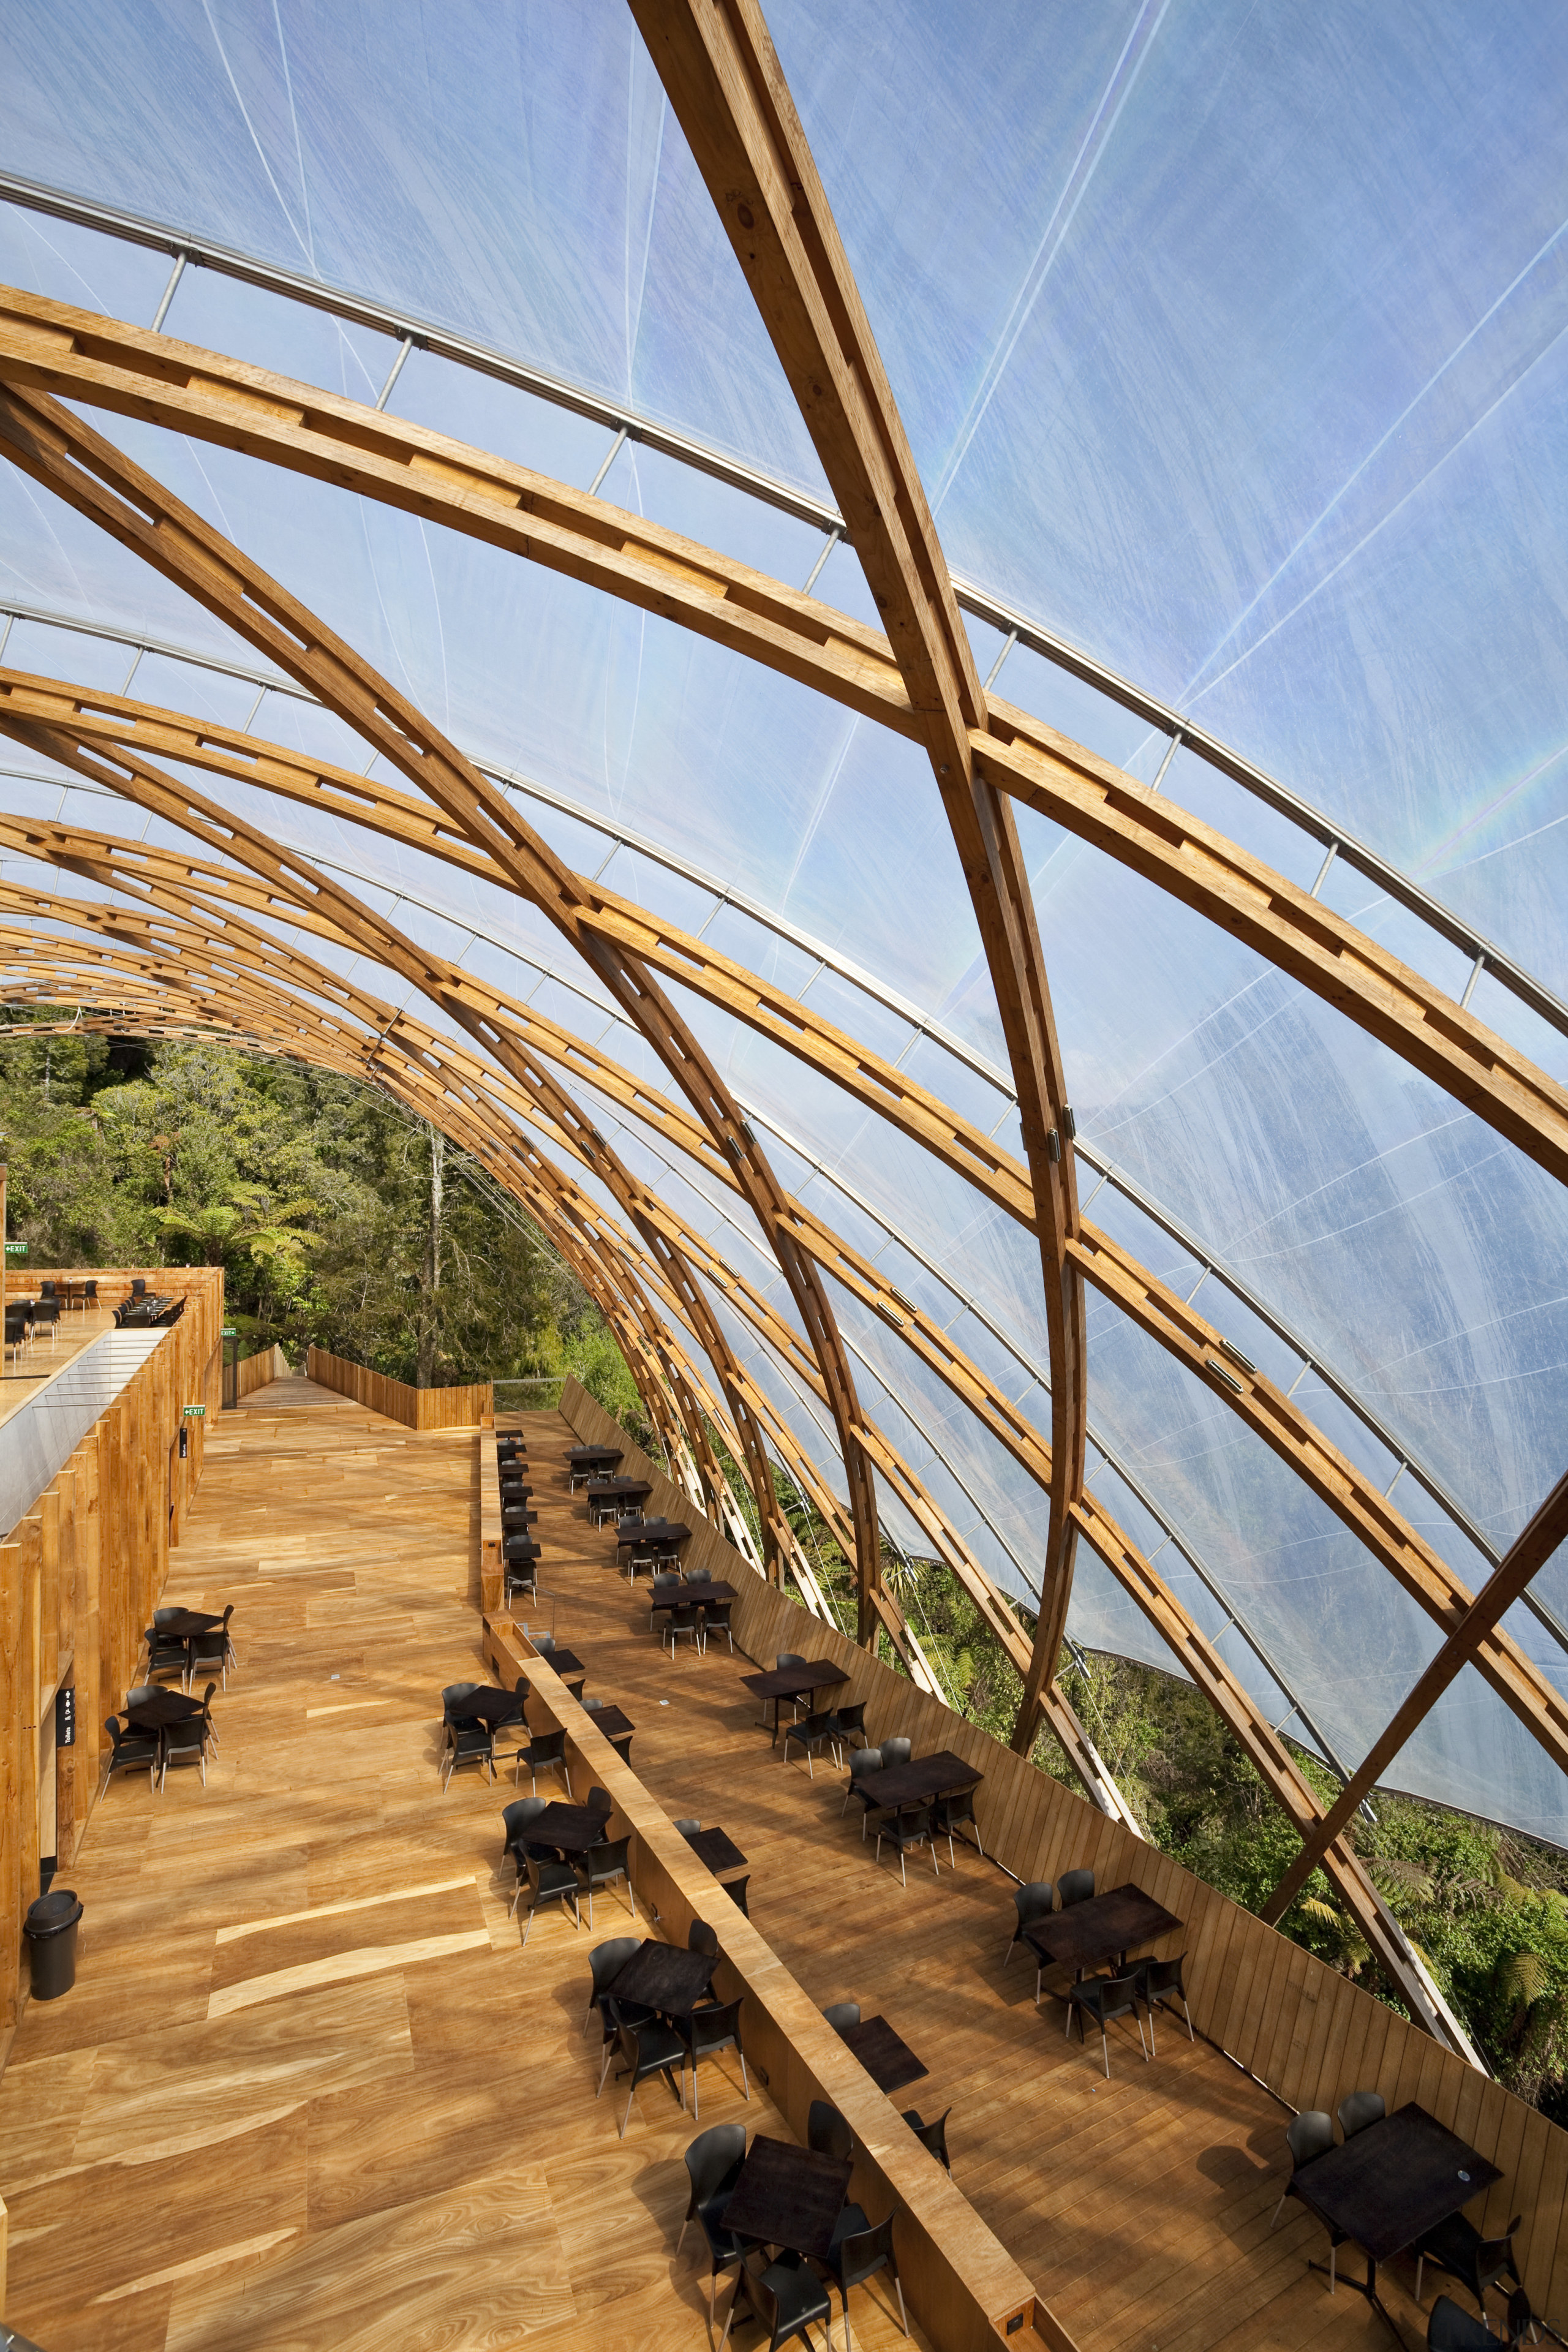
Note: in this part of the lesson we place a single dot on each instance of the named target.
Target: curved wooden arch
(96, 479)
(105, 363)
(427, 1055)
(84, 720)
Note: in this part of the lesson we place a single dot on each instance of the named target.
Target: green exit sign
(229, 1332)
(193, 1411)
(16, 1249)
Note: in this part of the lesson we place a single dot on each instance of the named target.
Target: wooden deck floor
(308, 2091)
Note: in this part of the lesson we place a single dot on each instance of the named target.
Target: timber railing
(1299, 2028)
(422, 1409)
(258, 1371)
(80, 1574)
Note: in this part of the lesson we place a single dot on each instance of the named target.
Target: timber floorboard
(309, 2090)
(1139, 2208)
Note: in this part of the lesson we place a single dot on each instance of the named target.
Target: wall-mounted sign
(193, 1411)
(65, 1717)
(16, 1249)
(228, 1332)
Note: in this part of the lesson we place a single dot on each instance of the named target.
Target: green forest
(339, 1219)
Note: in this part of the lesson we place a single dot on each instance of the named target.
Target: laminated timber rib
(106, 364)
(80, 722)
(434, 1097)
(48, 443)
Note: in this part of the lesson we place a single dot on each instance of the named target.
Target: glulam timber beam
(186, 389)
(95, 719)
(206, 890)
(1547, 1529)
(419, 1078)
(728, 91)
(49, 444)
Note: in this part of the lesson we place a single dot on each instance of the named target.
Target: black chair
(716, 1615)
(545, 1644)
(812, 1732)
(660, 1585)
(599, 1801)
(623, 1747)
(735, 1888)
(933, 2137)
(1032, 1900)
(789, 2302)
(897, 1751)
(850, 1723)
(1358, 2108)
(651, 2047)
(857, 2252)
(601, 1866)
(165, 1652)
(520, 1576)
(687, 1619)
(1075, 1886)
(701, 1937)
(1160, 1984)
(211, 1649)
(1309, 2134)
(948, 1814)
(826, 2130)
(605, 1965)
(187, 1742)
(842, 2014)
(1451, 2329)
(713, 2162)
(132, 1752)
(864, 1764)
(1105, 1999)
(548, 1882)
(1457, 2247)
(138, 1288)
(140, 1696)
(518, 1728)
(706, 2031)
(515, 1819)
(452, 1697)
(468, 1743)
(782, 1659)
(547, 1751)
(700, 1576)
(905, 1831)
(688, 1828)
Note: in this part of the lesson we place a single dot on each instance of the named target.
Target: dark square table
(718, 1851)
(488, 1705)
(922, 1778)
(659, 1975)
(887, 2058)
(563, 1662)
(693, 1596)
(577, 1454)
(794, 1681)
(1106, 1927)
(572, 1828)
(789, 2197)
(184, 1624)
(1389, 2185)
(611, 1721)
(163, 1708)
(652, 1531)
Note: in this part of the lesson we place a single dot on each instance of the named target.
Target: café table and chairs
(168, 1719)
(1388, 2187)
(609, 1498)
(803, 1679)
(713, 1848)
(1089, 1933)
(586, 1462)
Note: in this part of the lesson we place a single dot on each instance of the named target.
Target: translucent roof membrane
(1230, 345)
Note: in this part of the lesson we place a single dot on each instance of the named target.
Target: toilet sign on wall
(65, 1717)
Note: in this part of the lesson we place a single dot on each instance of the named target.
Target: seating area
(429, 1970)
(159, 1726)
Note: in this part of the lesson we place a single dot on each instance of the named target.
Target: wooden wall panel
(79, 1574)
(258, 1370)
(422, 1409)
(1300, 2029)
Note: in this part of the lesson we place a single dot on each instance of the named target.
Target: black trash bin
(50, 1927)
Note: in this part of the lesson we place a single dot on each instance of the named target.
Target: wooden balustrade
(421, 1409)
